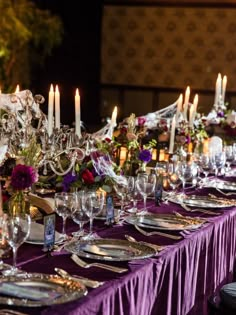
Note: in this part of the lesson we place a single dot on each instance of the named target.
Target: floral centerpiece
(195, 135)
(97, 170)
(22, 178)
(139, 152)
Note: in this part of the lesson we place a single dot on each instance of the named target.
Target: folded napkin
(46, 204)
(37, 234)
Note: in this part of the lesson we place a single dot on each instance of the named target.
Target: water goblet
(63, 207)
(16, 231)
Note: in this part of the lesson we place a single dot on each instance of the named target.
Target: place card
(49, 232)
(110, 213)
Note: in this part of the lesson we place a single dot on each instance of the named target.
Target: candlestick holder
(24, 131)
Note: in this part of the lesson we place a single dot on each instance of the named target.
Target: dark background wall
(76, 63)
(93, 55)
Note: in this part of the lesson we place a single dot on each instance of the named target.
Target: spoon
(85, 281)
(157, 248)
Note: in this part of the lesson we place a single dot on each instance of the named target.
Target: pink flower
(141, 121)
(131, 136)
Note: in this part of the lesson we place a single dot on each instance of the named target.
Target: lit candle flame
(114, 116)
(17, 89)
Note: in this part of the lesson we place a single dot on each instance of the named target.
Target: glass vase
(18, 203)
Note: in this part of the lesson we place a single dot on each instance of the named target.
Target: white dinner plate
(36, 236)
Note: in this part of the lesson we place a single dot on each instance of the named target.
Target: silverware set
(186, 208)
(157, 248)
(174, 237)
(85, 281)
(83, 264)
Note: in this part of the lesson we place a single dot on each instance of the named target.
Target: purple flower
(220, 114)
(23, 177)
(145, 156)
(188, 139)
(69, 179)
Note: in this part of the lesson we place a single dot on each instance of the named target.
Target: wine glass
(121, 188)
(79, 214)
(130, 189)
(205, 165)
(145, 185)
(173, 176)
(186, 172)
(16, 231)
(93, 205)
(63, 207)
(229, 153)
(220, 160)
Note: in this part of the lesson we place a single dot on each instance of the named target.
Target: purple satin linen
(178, 281)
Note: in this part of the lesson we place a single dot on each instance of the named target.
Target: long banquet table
(177, 281)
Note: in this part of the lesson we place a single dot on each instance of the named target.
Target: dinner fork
(174, 237)
(83, 264)
(185, 207)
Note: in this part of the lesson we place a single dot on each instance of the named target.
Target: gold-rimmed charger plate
(165, 222)
(61, 290)
(220, 184)
(203, 202)
(110, 249)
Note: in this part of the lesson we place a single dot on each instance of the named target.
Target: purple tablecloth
(178, 281)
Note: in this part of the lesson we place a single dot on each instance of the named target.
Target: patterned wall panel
(168, 46)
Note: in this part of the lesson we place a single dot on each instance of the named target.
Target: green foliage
(27, 36)
(31, 154)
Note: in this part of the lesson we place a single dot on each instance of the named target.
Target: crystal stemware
(173, 176)
(146, 186)
(121, 189)
(186, 172)
(63, 207)
(93, 206)
(130, 190)
(229, 153)
(220, 160)
(79, 214)
(16, 231)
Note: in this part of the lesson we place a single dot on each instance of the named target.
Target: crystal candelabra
(22, 122)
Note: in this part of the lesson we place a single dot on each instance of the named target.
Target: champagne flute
(63, 207)
(16, 231)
